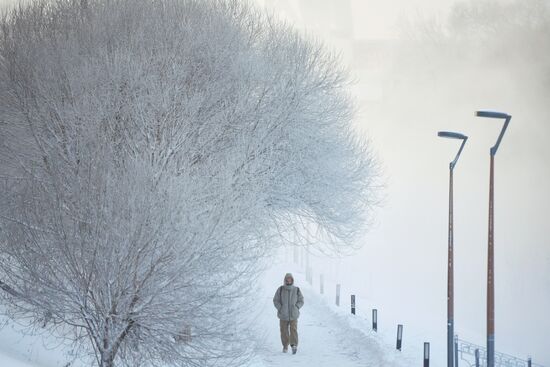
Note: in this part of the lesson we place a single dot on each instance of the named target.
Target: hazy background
(422, 66)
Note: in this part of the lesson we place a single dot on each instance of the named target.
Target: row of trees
(152, 153)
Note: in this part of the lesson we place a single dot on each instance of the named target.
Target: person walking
(288, 300)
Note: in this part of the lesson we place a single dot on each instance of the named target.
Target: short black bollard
(456, 351)
(375, 319)
(477, 357)
(322, 284)
(399, 337)
(353, 304)
(529, 362)
(426, 354)
(337, 294)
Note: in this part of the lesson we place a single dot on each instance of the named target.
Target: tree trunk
(107, 360)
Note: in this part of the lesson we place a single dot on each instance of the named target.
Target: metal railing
(476, 356)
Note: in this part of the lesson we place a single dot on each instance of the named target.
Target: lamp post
(450, 267)
(490, 257)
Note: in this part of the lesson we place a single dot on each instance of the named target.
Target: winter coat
(288, 300)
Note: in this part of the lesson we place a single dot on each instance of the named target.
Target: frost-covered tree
(151, 153)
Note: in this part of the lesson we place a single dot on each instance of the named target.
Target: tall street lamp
(491, 252)
(450, 267)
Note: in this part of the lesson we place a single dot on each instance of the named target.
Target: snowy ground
(328, 335)
(9, 361)
(23, 350)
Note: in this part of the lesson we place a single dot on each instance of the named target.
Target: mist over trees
(482, 36)
(152, 153)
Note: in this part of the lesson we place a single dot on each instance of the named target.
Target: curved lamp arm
(453, 135)
(496, 115)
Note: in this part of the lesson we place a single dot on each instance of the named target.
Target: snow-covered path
(326, 337)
